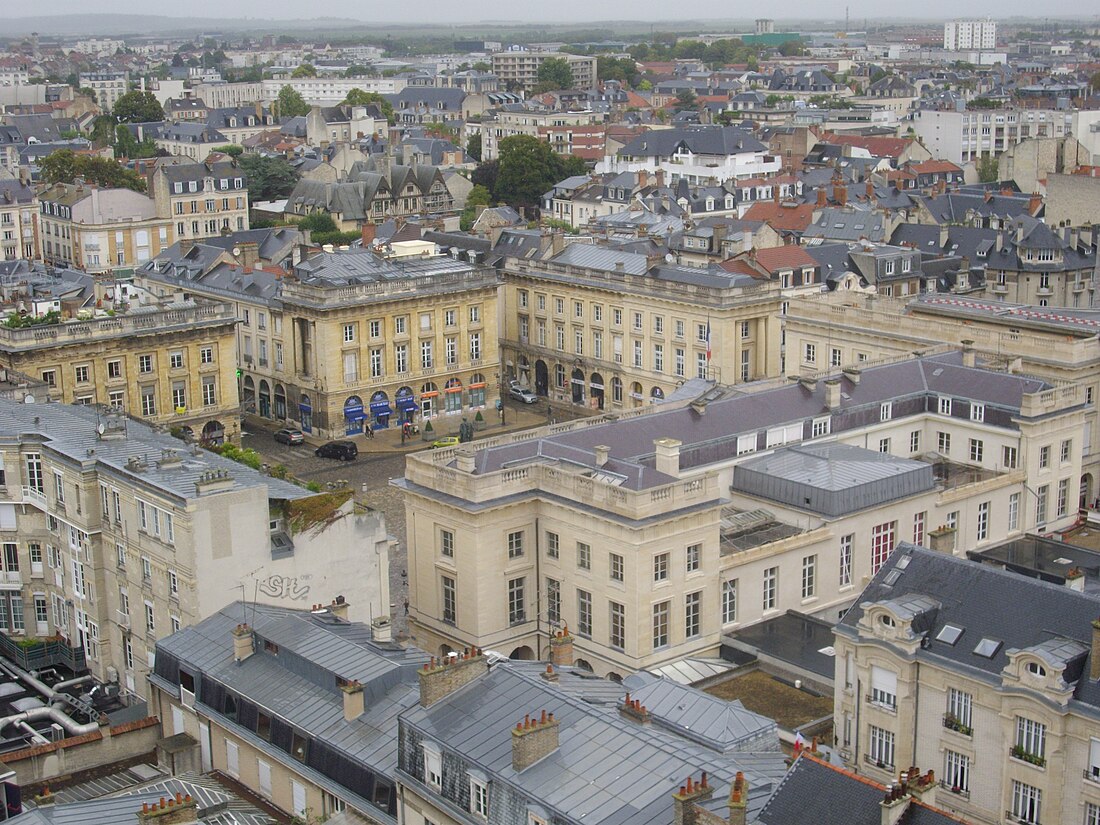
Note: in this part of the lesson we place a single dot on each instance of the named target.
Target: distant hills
(118, 25)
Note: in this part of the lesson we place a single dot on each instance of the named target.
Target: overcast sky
(526, 11)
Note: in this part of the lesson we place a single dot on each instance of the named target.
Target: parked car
(523, 394)
(446, 441)
(289, 435)
(343, 450)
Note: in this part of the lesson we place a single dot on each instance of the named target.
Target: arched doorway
(1087, 492)
(265, 399)
(542, 378)
(656, 394)
(305, 412)
(213, 433)
(452, 395)
(595, 389)
(380, 411)
(477, 390)
(280, 402)
(406, 404)
(636, 397)
(429, 400)
(581, 664)
(523, 652)
(616, 390)
(248, 392)
(353, 415)
(577, 385)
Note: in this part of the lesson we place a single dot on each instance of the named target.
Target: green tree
(614, 68)
(479, 196)
(982, 103)
(528, 167)
(137, 107)
(685, 99)
(988, 169)
(65, 166)
(1094, 81)
(318, 222)
(305, 70)
(355, 70)
(127, 146)
(473, 146)
(482, 66)
(268, 178)
(290, 103)
(357, 97)
(232, 149)
(554, 73)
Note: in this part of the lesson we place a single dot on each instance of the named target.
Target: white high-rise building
(969, 34)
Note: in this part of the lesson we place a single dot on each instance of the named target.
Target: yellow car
(446, 441)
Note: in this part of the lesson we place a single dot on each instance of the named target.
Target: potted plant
(426, 433)
(479, 421)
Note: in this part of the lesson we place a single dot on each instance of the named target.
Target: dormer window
(1036, 669)
(887, 621)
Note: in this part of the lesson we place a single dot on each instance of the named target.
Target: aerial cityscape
(528, 417)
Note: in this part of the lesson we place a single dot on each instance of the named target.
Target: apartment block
(553, 127)
(116, 535)
(520, 69)
(963, 35)
(108, 87)
(18, 221)
(203, 200)
(964, 137)
(653, 532)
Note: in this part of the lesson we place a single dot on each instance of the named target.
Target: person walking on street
(406, 607)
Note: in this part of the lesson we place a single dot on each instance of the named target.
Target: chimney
(561, 648)
(922, 787)
(550, 675)
(822, 196)
(464, 460)
(944, 235)
(178, 810)
(668, 456)
(1094, 659)
(660, 177)
(684, 808)
(381, 629)
(840, 194)
(739, 799)
(354, 703)
(853, 374)
(1075, 579)
(243, 643)
(870, 191)
(370, 232)
(894, 805)
(832, 393)
(1034, 204)
(942, 539)
(969, 357)
(533, 740)
(440, 678)
(643, 179)
(634, 709)
(1000, 240)
(339, 608)
(602, 452)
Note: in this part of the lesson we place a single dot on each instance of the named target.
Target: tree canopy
(479, 196)
(988, 169)
(268, 178)
(304, 70)
(127, 146)
(65, 166)
(622, 69)
(138, 107)
(290, 103)
(527, 168)
(473, 146)
(554, 73)
(357, 97)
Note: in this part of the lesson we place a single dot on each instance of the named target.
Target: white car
(522, 394)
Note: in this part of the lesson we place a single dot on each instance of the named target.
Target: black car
(343, 450)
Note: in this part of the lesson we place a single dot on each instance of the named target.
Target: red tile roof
(880, 147)
(782, 216)
(930, 166)
(790, 256)
(739, 267)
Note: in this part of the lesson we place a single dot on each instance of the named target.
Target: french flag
(708, 340)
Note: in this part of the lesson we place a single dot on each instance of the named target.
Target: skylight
(949, 634)
(987, 647)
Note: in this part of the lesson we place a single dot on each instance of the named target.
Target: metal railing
(46, 653)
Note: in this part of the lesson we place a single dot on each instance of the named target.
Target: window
(515, 544)
(943, 443)
(637, 353)
(475, 314)
(447, 543)
(882, 747)
(692, 606)
(956, 770)
(771, 586)
(660, 624)
(809, 576)
(376, 363)
(1041, 496)
(426, 360)
(977, 450)
(114, 369)
(977, 411)
(475, 346)
(150, 619)
(694, 557)
(882, 544)
(1030, 739)
(59, 487)
(209, 392)
(49, 378)
(959, 704)
(617, 619)
(659, 357)
(884, 687)
(914, 441)
(884, 445)
(846, 543)
(1062, 500)
(1092, 813)
(584, 556)
(375, 326)
(449, 601)
(517, 612)
(1067, 451)
(145, 362)
(553, 600)
(1044, 457)
(835, 357)
(919, 522)
(148, 401)
(401, 358)
(983, 521)
(400, 325)
(1014, 511)
(615, 566)
(479, 798)
(584, 612)
(206, 355)
(433, 769)
(729, 601)
(660, 567)
(552, 545)
(1027, 802)
(821, 426)
(945, 405)
(173, 584)
(1009, 457)
(809, 353)
(886, 411)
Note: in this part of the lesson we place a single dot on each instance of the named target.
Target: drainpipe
(56, 714)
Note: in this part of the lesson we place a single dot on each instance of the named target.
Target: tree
(554, 73)
(473, 146)
(290, 103)
(355, 70)
(528, 167)
(357, 97)
(232, 149)
(65, 166)
(988, 169)
(685, 99)
(1094, 81)
(479, 196)
(305, 70)
(486, 174)
(268, 178)
(482, 66)
(318, 222)
(138, 107)
(127, 146)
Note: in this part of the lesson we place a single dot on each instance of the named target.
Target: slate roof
(815, 791)
(1053, 620)
(846, 224)
(189, 132)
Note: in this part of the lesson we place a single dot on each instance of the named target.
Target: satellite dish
(100, 428)
(236, 252)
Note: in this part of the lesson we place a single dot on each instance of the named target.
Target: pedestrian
(369, 432)
(402, 436)
(406, 607)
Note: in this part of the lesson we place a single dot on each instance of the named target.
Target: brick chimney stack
(243, 643)
(533, 740)
(354, 700)
(339, 608)
(561, 648)
(181, 810)
(370, 232)
(634, 709)
(739, 800)
(684, 809)
(440, 678)
(822, 196)
(894, 804)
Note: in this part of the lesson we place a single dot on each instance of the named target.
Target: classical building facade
(18, 221)
(651, 534)
(202, 200)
